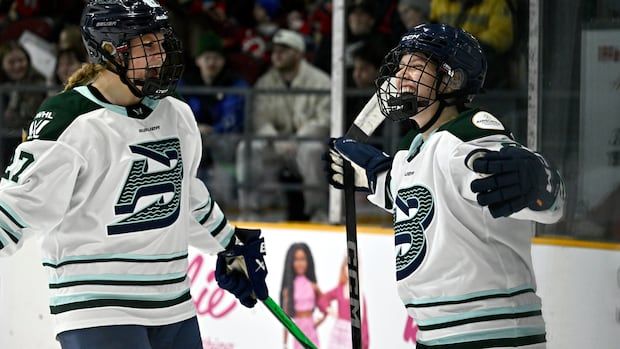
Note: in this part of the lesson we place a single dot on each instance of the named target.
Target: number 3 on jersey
(17, 167)
(161, 182)
(413, 212)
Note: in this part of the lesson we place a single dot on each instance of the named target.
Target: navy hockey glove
(367, 162)
(518, 179)
(241, 269)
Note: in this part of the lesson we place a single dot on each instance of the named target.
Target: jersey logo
(487, 121)
(413, 213)
(162, 185)
(38, 123)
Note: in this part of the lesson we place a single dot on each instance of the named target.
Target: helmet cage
(107, 31)
(461, 64)
(161, 71)
(401, 97)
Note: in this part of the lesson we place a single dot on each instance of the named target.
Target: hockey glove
(367, 162)
(241, 269)
(518, 179)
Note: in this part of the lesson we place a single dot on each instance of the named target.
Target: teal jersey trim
(3, 242)
(206, 215)
(83, 90)
(415, 144)
(131, 303)
(13, 215)
(115, 277)
(467, 296)
(10, 230)
(485, 335)
(218, 228)
(226, 239)
(84, 297)
(479, 313)
(204, 205)
(136, 257)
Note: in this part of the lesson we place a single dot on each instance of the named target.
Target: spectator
(265, 11)
(361, 18)
(217, 115)
(16, 70)
(413, 12)
(254, 42)
(490, 21)
(367, 60)
(20, 106)
(366, 63)
(70, 37)
(361, 25)
(68, 61)
(320, 19)
(288, 116)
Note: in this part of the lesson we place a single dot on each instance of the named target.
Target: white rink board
(580, 290)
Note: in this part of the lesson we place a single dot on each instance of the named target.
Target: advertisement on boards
(307, 272)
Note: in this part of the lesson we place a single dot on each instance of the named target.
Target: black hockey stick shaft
(351, 227)
(352, 263)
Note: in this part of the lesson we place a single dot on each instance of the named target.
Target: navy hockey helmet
(458, 57)
(108, 26)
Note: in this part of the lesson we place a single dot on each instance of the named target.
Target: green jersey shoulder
(57, 113)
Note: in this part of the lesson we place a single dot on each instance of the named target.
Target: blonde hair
(85, 75)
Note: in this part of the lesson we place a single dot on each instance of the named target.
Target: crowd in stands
(283, 44)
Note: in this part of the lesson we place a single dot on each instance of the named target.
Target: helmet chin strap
(121, 71)
(433, 120)
(442, 105)
(132, 87)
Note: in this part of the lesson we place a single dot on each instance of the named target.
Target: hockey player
(463, 198)
(108, 177)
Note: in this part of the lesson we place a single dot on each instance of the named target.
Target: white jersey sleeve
(462, 177)
(382, 197)
(210, 231)
(35, 190)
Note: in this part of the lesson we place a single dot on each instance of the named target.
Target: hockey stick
(363, 126)
(233, 263)
(285, 320)
(352, 262)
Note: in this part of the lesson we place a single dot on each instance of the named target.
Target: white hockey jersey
(465, 277)
(114, 194)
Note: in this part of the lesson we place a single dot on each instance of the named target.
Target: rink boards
(578, 282)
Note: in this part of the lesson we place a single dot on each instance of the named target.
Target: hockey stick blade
(286, 321)
(366, 121)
